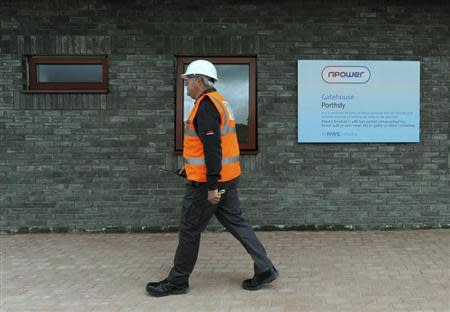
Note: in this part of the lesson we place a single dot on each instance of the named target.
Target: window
(237, 83)
(67, 74)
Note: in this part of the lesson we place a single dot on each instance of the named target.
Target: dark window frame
(246, 148)
(33, 86)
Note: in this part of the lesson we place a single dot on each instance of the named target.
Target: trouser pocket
(196, 207)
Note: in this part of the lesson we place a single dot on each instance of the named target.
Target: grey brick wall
(90, 161)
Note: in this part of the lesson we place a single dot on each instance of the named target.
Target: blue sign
(358, 101)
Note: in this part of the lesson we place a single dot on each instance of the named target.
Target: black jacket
(207, 124)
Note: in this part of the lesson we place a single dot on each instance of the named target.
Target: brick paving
(319, 271)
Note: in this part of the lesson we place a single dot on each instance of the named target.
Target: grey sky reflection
(70, 72)
(233, 84)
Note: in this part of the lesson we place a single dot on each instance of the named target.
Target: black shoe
(260, 279)
(165, 288)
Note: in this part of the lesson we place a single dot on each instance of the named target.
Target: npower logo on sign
(346, 74)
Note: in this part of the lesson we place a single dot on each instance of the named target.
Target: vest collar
(209, 90)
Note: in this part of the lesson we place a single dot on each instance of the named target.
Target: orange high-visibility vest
(193, 153)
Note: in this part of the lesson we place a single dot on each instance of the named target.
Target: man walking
(211, 164)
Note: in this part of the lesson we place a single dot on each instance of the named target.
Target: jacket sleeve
(207, 123)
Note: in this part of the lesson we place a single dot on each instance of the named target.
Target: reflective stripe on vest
(226, 127)
(226, 130)
(201, 161)
(190, 132)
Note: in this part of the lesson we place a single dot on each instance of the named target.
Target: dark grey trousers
(197, 212)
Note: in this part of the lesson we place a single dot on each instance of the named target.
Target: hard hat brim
(201, 67)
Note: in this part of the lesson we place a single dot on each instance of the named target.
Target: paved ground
(320, 271)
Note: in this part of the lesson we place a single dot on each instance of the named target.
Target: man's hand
(214, 197)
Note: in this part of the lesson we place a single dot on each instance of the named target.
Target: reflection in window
(67, 74)
(233, 84)
(70, 73)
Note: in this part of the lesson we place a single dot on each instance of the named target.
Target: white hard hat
(201, 67)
